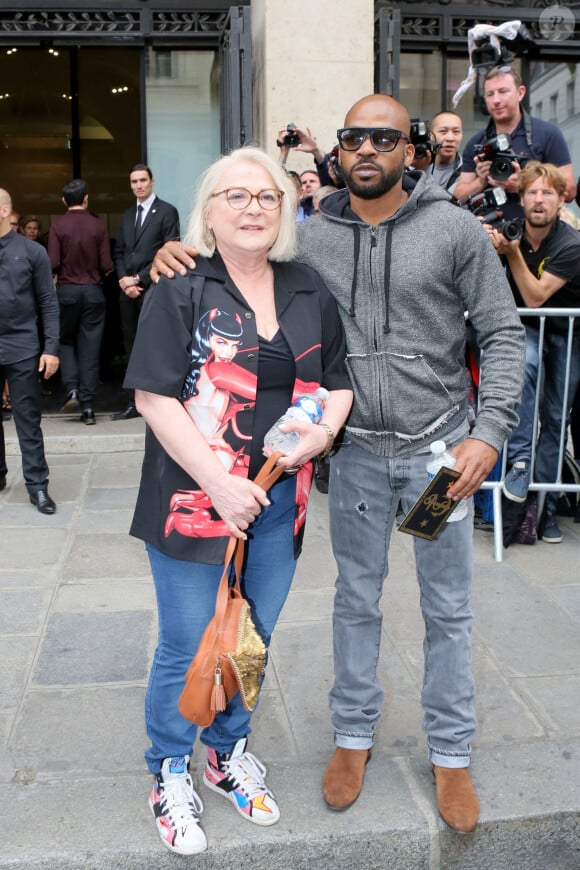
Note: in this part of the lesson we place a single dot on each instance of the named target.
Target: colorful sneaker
(177, 807)
(552, 533)
(517, 481)
(240, 777)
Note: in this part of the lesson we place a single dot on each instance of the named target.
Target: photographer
(291, 138)
(543, 270)
(531, 139)
(437, 148)
(447, 132)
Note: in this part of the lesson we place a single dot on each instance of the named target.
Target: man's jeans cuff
(449, 760)
(349, 741)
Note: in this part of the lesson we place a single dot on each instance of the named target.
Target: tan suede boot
(456, 798)
(343, 777)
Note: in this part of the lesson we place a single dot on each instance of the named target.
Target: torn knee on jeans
(362, 507)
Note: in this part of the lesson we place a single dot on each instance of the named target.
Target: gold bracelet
(330, 442)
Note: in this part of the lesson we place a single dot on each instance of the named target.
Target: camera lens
(501, 168)
(511, 230)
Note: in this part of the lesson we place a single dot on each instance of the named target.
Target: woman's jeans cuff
(453, 760)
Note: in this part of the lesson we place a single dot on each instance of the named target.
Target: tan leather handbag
(231, 656)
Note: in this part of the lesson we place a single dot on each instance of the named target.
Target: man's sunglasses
(382, 138)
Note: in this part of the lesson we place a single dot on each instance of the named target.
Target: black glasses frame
(372, 133)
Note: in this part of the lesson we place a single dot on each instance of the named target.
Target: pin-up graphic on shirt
(216, 390)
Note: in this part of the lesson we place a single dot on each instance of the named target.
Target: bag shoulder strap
(266, 477)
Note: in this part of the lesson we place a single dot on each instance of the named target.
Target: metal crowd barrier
(541, 487)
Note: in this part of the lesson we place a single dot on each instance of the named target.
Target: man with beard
(404, 265)
(544, 270)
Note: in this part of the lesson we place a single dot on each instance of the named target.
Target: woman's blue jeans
(186, 594)
(364, 493)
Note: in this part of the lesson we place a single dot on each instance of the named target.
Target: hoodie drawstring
(388, 245)
(356, 254)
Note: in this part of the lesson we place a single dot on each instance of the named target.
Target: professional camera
(488, 52)
(420, 139)
(291, 139)
(498, 150)
(486, 206)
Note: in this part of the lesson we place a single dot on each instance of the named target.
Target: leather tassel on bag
(218, 695)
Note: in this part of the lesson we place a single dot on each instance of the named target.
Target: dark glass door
(66, 112)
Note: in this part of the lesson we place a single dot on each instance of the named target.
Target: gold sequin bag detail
(231, 656)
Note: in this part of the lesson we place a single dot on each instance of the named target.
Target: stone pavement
(77, 629)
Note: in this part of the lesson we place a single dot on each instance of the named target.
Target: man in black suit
(145, 227)
(27, 301)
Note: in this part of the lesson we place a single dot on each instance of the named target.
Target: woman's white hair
(198, 234)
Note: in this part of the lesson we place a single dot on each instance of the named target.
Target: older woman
(220, 354)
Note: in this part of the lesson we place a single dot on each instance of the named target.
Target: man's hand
(482, 168)
(499, 241)
(474, 459)
(48, 364)
(511, 184)
(171, 258)
(308, 145)
(129, 287)
(284, 149)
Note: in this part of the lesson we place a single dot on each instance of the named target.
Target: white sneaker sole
(231, 798)
(513, 497)
(192, 850)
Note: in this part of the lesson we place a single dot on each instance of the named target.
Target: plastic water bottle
(307, 408)
(441, 457)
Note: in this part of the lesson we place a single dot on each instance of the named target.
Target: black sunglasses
(382, 138)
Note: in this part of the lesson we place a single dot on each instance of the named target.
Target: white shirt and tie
(143, 211)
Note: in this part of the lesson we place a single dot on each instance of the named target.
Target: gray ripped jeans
(364, 493)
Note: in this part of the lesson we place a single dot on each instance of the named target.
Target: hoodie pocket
(398, 394)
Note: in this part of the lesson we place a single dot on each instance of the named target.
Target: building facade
(89, 87)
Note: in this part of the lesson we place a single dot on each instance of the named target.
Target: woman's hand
(314, 438)
(313, 441)
(238, 501)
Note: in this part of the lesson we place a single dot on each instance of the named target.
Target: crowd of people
(555, 265)
(284, 283)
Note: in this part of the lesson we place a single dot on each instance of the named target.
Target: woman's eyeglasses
(239, 197)
(382, 138)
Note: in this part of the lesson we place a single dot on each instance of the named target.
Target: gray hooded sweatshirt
(403, 289)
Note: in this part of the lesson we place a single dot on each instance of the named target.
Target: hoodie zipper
(374, 243)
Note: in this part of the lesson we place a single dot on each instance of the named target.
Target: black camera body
(498, 150)
(291, 139)
(486, 205)
(487, 52)
(420, 139)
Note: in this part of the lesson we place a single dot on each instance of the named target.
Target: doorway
(68, 112)
(93, 113)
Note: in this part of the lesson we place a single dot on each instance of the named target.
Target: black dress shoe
(88, 417)
(71, 403)
(2, 482)
(128, 414)
(42, 501)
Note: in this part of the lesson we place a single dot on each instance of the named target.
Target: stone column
(312, 59)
